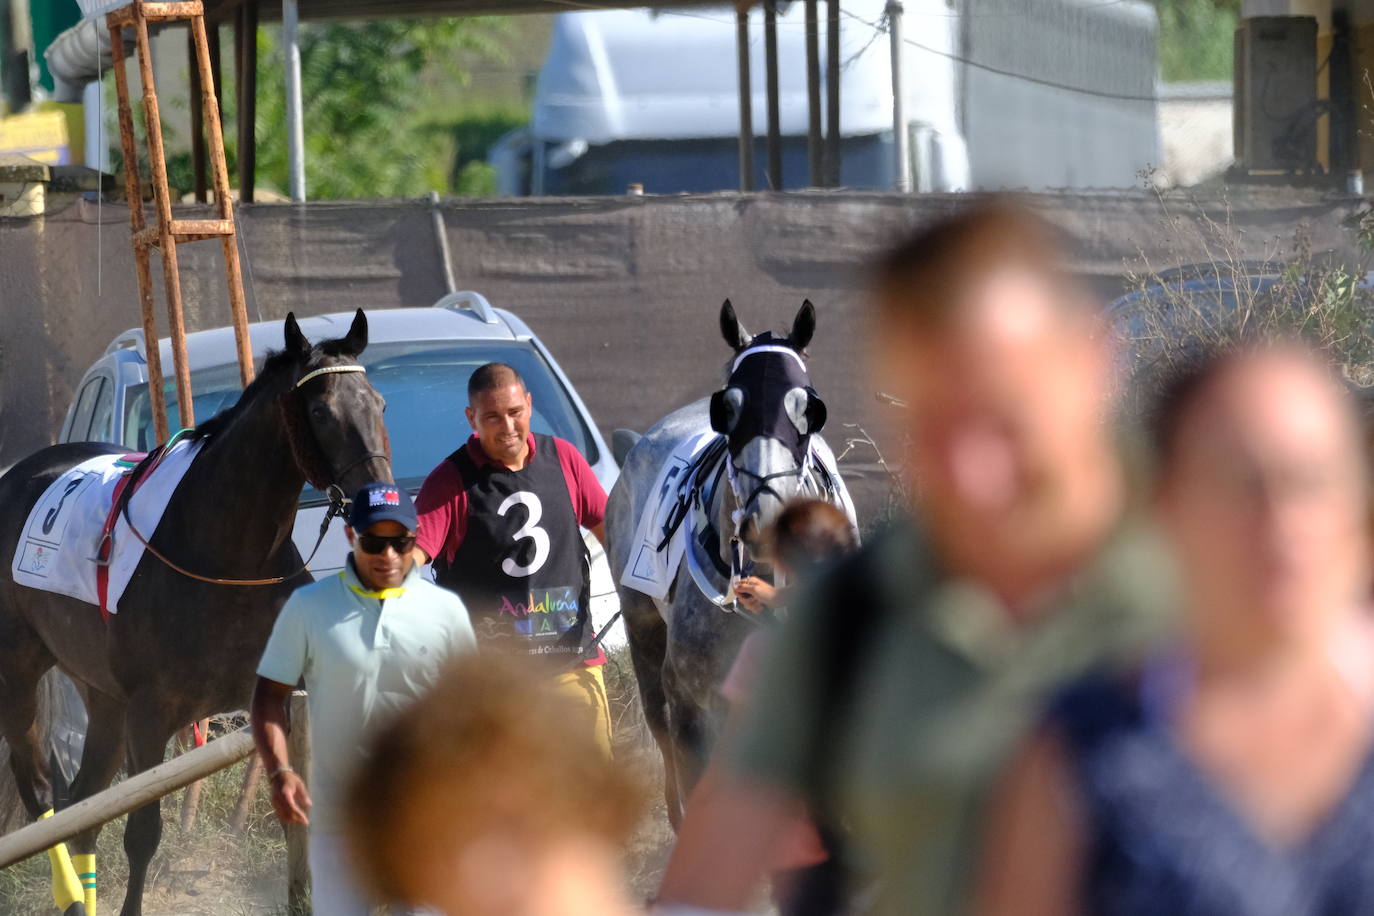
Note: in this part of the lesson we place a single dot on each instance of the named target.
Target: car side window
(101, 416)
(85, 410)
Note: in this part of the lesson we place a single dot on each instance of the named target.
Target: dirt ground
(209, 871)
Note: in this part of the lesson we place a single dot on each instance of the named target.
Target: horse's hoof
(76, 909)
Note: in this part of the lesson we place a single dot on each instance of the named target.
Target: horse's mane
(304, 450)
(272, 367)
(277, 361)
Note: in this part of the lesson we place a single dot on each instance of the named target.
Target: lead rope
(337, 502)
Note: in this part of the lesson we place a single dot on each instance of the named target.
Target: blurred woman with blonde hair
(490, 798)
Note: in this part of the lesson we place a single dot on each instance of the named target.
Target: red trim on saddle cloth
(134, 476)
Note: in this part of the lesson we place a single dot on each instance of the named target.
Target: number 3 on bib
(530, 530)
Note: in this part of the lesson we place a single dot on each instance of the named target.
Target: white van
(1013, 93)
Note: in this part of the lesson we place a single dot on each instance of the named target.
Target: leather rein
(338, 501)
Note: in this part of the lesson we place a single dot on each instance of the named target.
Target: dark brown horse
(181, 649)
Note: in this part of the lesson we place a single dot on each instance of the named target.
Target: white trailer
(997, 93)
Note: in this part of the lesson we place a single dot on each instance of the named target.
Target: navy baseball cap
(382, 502)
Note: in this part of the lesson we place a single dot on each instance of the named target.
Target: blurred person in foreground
(806, 863)
(897, 688)
(1232, 774)
(365, 643)
(489, 797)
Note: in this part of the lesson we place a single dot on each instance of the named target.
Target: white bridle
(768, 348)
(327, 370)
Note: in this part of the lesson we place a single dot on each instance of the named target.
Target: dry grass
(1318, 297)
(206, 870)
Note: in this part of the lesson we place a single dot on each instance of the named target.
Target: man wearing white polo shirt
(366, 642)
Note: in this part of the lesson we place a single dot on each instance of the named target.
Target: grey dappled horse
(181, 649)
(683, 646)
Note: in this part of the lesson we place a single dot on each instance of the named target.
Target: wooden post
(133, 193)
(197, 120)
(190, 802)
(770, 63)
(746, 101)
(248, 97)
(832, 93)
(814, 152)
(297, 837)
(126, 796)
(252, 775)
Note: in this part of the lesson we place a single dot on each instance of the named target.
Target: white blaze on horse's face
(766, 477)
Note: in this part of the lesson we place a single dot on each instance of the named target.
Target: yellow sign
(52, 133)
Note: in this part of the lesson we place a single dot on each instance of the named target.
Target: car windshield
(425, 387)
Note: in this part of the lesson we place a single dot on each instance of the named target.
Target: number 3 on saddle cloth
(76, 540)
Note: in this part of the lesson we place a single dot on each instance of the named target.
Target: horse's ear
(803, 326)
(296, 342)
(730, 328)
(355, 342)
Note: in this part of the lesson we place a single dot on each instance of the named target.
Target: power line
(882, 26)
(1124, 96)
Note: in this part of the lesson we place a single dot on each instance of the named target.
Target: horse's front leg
(689, 738)
(147, 742)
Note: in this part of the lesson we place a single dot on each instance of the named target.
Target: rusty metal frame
(167, 233)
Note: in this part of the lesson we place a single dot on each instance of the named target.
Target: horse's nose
(765, 511)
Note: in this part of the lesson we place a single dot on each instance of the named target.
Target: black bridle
(338, 500)
(764, 486)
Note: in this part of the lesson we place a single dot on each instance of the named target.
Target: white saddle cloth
(650, 570)
(56, 552)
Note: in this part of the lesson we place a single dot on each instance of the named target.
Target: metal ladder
(167, 233)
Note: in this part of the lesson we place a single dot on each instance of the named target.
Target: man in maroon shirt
(500, 520)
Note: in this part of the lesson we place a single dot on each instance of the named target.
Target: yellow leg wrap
(85, 873)
(66, 889)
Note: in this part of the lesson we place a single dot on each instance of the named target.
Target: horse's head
(768, 412)
(332, 413)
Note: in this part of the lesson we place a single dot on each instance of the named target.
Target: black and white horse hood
(768, 392)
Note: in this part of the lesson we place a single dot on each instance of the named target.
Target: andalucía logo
(551, 613)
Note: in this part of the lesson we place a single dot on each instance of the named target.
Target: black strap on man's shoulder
(854, 608)
(463, 462)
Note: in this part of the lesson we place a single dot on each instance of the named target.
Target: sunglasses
(377, 543)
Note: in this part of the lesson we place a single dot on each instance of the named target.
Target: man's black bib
(522, 569)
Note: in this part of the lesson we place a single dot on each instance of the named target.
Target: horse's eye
(319, 411)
